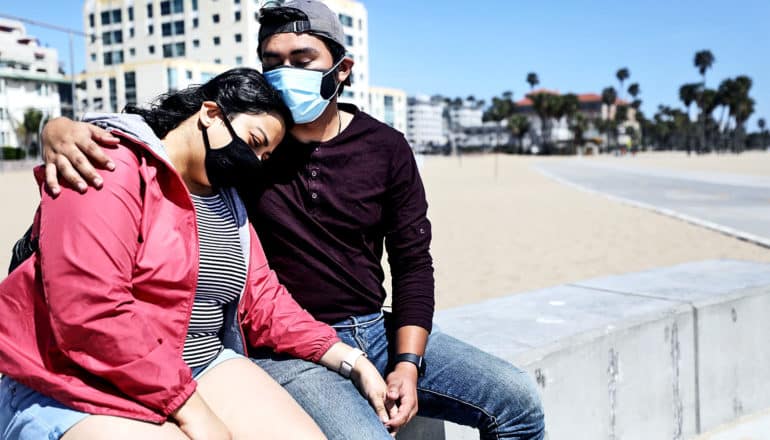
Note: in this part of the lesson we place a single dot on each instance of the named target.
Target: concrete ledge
(662, 354)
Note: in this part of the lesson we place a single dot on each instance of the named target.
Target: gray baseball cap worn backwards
(318, 20)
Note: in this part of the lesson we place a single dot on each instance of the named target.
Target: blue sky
(482, 48)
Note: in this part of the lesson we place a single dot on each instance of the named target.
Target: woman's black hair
(236, 91)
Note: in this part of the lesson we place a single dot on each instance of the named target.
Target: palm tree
(622, 75)
(634, 90)
(704, 59)
(762, 132)
(609, 98)
(539, 105)
(688, 94)
(519, 126)
(578, 125)
(533, 80)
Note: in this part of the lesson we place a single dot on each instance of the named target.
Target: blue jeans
(462, 384)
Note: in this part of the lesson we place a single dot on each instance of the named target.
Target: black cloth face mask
(234, 165)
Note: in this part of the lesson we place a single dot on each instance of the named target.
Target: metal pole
(72, 78)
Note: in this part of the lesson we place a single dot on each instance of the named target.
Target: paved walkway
(734, 204)
(753, 427)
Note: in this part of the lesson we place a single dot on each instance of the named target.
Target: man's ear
(209, 113)
(345, 70)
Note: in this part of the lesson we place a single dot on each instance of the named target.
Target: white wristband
(347, 364)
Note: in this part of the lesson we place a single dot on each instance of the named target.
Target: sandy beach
(518, 231)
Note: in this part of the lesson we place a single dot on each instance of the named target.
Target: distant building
(137, 51)
(29, 78)
(389, 106)
(592, 107)
(425, 126)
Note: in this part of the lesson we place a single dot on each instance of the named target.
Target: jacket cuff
(325, 347)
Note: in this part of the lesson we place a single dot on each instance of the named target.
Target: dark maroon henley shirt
(326, 212)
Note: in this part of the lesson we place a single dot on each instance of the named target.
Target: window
(165, 7)
(98, 105)
(346, 20)
(215, 17)
(237, 2)
(150, 29)
(239, 61)
(98, 84)
(117, 37)
(166, 29)
(107, 58)
(130, 32)
(93, 57)
(113, 95)
(196, 43)
(117, 15)
(172, 50)
(216, 41)
(205, 76)
(349, 40)
(238, 38)
(129, 81)
(91, 20)
(132, 52)
(179, 49)
(168, 50)
(194, 5)
(217, 61)
(149, 10)
(151, 49)
(188, 74)
(360, 24)
(130, 13)
(105, 17)
(195, 22)
(117, 57)
(179, 27)
(178, 6)
(237, 16)
(106, 38)
(93, 38)
(171, 78)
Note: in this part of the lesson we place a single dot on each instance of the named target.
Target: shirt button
(314, 196)
(314, 173)
(422, 231)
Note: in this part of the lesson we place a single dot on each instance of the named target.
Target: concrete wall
(663, 354)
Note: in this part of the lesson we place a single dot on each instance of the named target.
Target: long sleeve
(407, 240)
(88, 246)
(272, 318)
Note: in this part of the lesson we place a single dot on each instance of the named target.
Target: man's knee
(520, 408)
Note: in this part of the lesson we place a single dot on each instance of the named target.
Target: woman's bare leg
(253, 405)
(119, 428)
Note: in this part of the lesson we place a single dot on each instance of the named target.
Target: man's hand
(402, 389)
(69, 150)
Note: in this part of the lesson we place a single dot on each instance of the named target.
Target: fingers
(378, 403)
(68, 173)
(85, 168)
(51, 180)
(102, 136)
(95, 153)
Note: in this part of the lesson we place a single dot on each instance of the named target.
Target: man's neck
(323, 129)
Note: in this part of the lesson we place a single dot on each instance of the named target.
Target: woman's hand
(199, 422)
(371, 385)
(70, 148)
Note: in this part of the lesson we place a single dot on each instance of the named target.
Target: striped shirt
(221, 278)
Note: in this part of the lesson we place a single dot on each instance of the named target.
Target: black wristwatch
(412, 358)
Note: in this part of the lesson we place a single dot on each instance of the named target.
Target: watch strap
(412, 358)
(349, 361)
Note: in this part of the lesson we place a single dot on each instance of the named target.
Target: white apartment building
(425, 122)
(389, 106)
(467, 114)
(355, 23)
(139, 49)
(29, 78)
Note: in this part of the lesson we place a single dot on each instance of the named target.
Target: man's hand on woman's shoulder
(71, 149)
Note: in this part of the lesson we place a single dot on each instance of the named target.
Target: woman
(142, 298)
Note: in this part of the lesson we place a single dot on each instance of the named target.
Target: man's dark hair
(236, 91)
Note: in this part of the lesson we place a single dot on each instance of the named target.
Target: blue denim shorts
(25, 414)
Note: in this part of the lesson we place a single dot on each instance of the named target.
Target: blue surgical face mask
(306, 92)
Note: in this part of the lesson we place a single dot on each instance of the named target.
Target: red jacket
(97, 318)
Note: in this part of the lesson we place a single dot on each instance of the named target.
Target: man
(344, 185)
